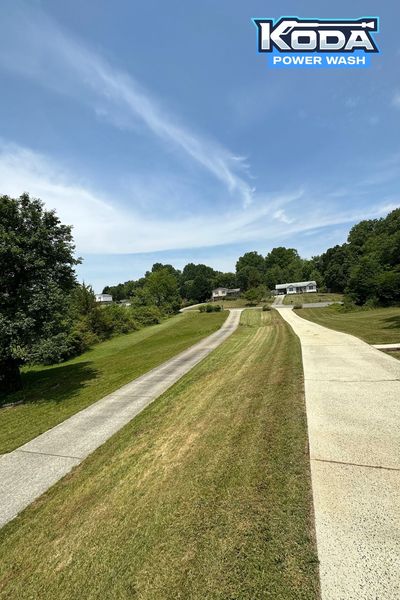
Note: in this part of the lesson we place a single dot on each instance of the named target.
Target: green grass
(52, 394)
(311, 298)
(238, 303)
(394, 354)
(205, 495)
(375, 326)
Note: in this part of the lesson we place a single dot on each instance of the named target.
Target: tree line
(46, 316)
(366, 268)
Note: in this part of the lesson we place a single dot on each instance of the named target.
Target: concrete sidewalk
(353, 411)
(394, 347)
(29, 471)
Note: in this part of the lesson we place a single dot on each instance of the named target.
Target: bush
(255, 295)
(147, 315)
(54, 350)
(371, 303)
(210, 308)
(106, 321)
(266, 307)
(347, 306)
(298, 306)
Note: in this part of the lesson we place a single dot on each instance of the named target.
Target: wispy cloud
(36, 46)
(103, 228)
(280, 215)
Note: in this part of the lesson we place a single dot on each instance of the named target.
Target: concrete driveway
(353, 410)
(29, 471)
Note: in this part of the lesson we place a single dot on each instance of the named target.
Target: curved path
(353, 411)
(30, 470)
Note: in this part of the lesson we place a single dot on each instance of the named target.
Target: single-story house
(104, 298)
(222, 293)
(301, 287)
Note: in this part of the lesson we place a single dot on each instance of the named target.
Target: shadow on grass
(54, 384)
(393, 323)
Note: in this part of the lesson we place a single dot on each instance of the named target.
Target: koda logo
(303, 42)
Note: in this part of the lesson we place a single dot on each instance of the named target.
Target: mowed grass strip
(52, 394)
(238, 303)
(375, 326)
(205, 495)
(311, 298)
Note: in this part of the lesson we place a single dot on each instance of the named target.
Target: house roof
(282, 286)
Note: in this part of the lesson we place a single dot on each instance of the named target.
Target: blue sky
(159, 133)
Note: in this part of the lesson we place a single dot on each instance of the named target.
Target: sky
(159, 133)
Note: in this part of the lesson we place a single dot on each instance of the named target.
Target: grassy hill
(52, 394)
(206, 494)
(312, 298)
(375, 326)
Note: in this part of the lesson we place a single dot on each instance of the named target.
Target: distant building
(301, 287)
(104, 298)
(222, 293)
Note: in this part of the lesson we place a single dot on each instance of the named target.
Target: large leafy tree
(284, 265)
(197, 282)
(37, 273)
(249, 277)
(251, 259)
(161, 289)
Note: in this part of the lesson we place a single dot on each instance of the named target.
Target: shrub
(297, 305)
(371, 303)
(210, 308)
(106, 321)
(348, 305)
(54, 350)
(255, 295)
(147, 315)
(266, 307)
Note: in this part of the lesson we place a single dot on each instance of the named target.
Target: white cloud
(34, 45)
(280, 215)
(102, 227)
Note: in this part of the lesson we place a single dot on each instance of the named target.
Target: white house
(104, 298)
(301, 287)
(222, 293)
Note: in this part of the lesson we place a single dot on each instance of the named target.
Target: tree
(162, 290)
(249, 277)
(335, 265)
(199, 289)
(36, 276)
(389, 287)
(281, 257)
(160, 266)
(83, 299)
(197, 282)
(191, 271)
(363, 280)
(227, 280)
(251, 259)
